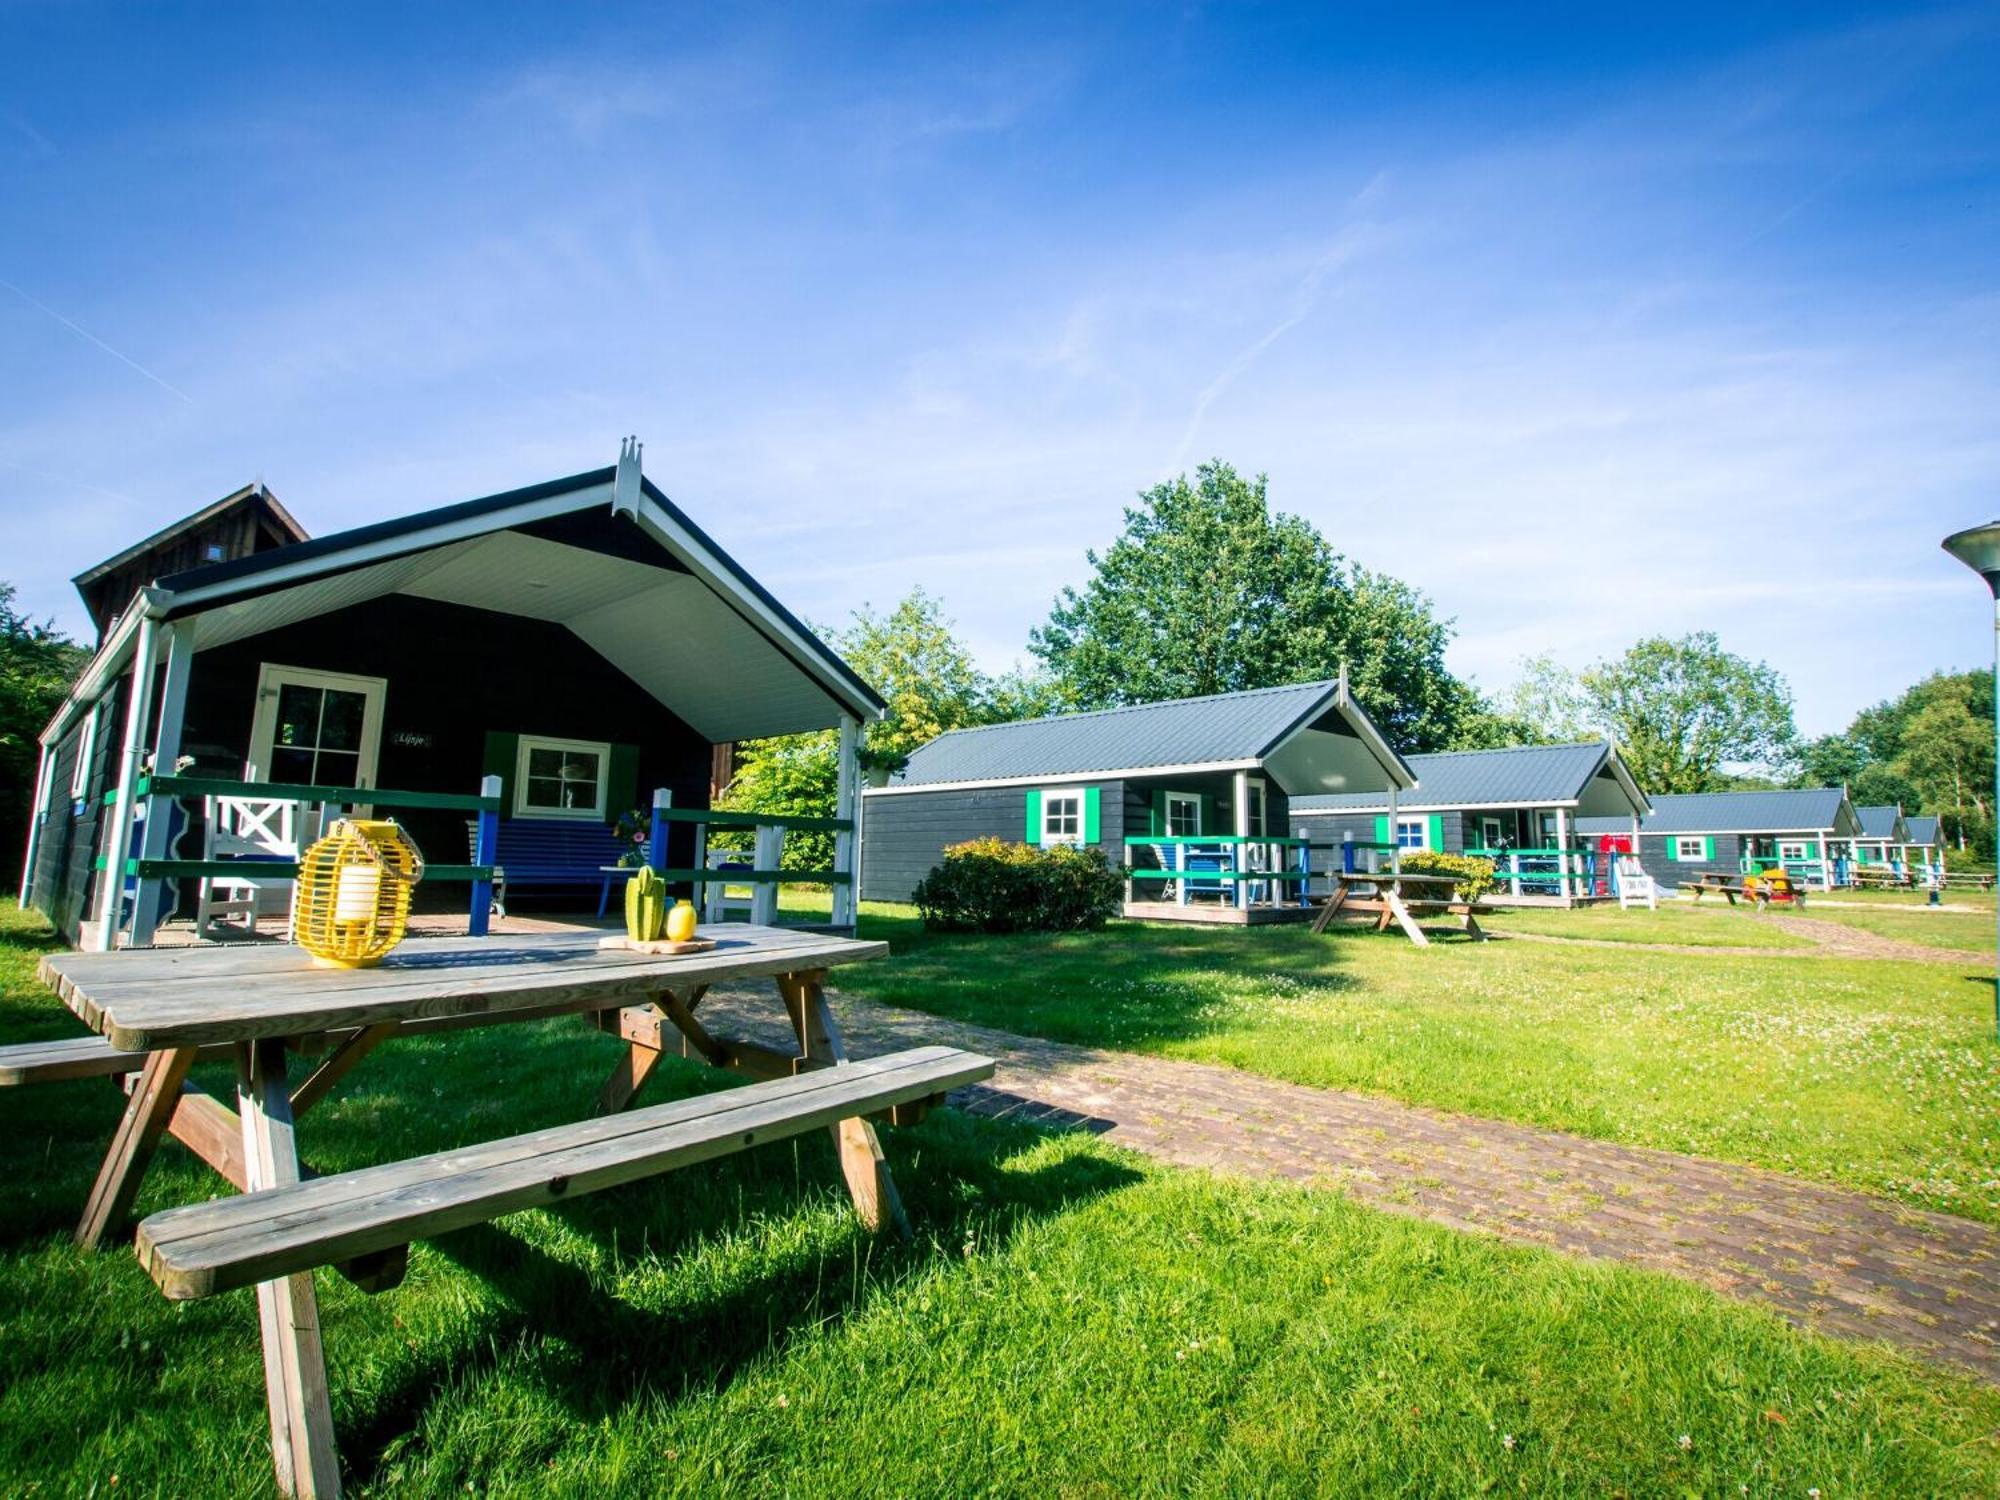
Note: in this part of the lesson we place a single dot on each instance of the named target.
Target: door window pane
(298, 715)
(340, 720)
(1183, 817)
(337, 768)
(293, 767)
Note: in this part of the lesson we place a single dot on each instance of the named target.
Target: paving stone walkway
(1841, 1262)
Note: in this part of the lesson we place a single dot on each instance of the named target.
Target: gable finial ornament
(625, 481)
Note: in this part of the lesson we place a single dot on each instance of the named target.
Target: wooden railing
(1247, 869)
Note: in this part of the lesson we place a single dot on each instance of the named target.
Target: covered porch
(531, 683)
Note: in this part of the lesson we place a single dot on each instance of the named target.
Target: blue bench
(547, 853)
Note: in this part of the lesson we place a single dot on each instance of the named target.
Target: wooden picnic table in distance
(1730, 889)
(260, 1003)
(1401, 898)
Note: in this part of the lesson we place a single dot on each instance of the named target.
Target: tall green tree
(37, 665)
(1208, 590)
(1682, 711)
(911, 656)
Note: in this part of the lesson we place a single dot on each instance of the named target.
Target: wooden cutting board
(658, 945)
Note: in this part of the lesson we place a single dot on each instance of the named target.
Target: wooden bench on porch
(1402, 899)
(545, 853)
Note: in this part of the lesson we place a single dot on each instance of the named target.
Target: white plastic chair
(1635, 886)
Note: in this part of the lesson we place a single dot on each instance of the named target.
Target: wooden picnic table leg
(1394, 901)
(302, 1447)
(640, 1028)
(861, 1160)
(147, 1112)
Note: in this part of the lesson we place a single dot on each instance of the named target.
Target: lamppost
(1978, 547)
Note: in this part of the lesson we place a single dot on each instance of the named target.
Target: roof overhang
(1307, 760)
(665, 605)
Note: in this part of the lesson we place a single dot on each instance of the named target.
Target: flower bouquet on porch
(633, 830)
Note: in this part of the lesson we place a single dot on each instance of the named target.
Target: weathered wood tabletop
(157, 998)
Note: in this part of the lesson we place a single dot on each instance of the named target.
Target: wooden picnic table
(263, 1004)
(1401, 899)
(1718, 884)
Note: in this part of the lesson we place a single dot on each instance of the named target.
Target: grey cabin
(1902, 843)
(1519, 807)
(522, 669)
(1192, 797)
(1733, 834)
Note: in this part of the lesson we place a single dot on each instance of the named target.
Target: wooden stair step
(213, 1247)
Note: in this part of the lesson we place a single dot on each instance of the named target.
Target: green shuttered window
(1064, 815)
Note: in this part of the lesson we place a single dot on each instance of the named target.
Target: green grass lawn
(1956, 896)
(1965, 932)
(1713, 924)
(1878, 1075)
(1068, 1320)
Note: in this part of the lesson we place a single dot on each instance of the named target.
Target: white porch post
(1237, 862)
(846, 843)
(37, 811)
(118, 840)
(166, 750)
(1826, 863)
(1395, 844)
(1563, 881)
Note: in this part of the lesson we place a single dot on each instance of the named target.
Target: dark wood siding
(905, 833)
(61, 885)
(247, 527)
(453, 675)
(1672, 873)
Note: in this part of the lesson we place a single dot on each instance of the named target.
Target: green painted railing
(1216, 838)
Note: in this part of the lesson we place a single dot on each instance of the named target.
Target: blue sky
(1589, 328)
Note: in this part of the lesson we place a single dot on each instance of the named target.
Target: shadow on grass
(958, 1179)
(1129, 985)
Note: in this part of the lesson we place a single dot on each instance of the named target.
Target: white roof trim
(1065, 778)
(1417, 807)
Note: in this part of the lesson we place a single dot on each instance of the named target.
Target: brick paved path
(1838, 1261)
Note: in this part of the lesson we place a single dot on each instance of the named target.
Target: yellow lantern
(353, 901)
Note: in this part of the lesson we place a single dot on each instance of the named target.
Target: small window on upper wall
(86, 751)
(213, 552)
(1691, 848)
(1062, 817)
(560, 778)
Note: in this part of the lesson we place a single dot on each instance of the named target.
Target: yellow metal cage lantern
(353, 901)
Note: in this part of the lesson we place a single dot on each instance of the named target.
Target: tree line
(1207, 589)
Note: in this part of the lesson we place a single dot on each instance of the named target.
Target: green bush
(990, 885)
(1475, 876)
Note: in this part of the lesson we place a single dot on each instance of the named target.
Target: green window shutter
(1673, 850)
(1435, 834)
(1210, 823)
(1034, 835)
(1708, 850)
(1092, 797)
(621, 783)
(1159, 812)
(502, 751)
(1812, 850)
(1382, 828)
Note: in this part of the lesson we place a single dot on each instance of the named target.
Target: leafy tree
(1948, 757)
(37, 665)
(1208, 590)
(930, 683)
(1680, 710)
(1549, 699)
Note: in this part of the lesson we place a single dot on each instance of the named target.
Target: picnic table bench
(160, 1011)
(1402, 899)
(1759, 894)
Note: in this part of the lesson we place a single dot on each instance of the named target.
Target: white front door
(315, 728)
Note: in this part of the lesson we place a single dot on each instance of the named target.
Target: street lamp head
(1978, 547)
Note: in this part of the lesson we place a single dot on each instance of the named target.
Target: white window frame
(1256, 808)
(1798, 848)
(1182, 799)
(273, 676)
(1050, 797)
(600, 748)
(1681, 842)
(1423, 828)
(86, 751)
(1492, 831)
